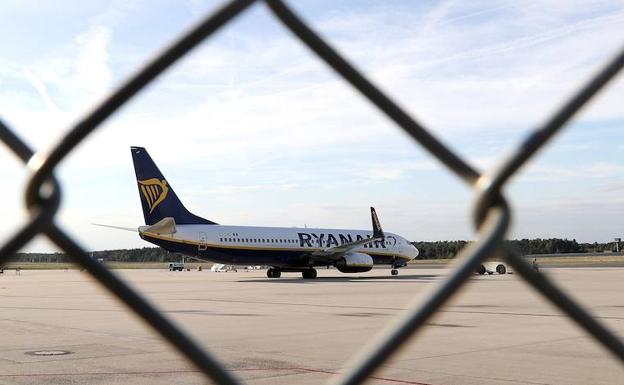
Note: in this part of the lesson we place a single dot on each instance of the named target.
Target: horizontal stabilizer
(133, 229)
(164, 226)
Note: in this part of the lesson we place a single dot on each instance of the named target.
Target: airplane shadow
(320, 279)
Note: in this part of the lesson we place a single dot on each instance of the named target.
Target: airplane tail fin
(158, 199)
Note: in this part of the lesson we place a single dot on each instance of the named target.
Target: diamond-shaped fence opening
(491, 215)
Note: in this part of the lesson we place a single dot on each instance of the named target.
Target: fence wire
(491, 212)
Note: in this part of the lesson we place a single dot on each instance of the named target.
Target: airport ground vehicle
(492, 267)
(221, 268)
(176, 266)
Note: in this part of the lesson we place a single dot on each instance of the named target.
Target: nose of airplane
(413, 251)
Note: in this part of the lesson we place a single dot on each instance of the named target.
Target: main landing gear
(308, 273)
(274, 272)
(394, 272)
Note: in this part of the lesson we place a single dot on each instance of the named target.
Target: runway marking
(496, 348)
(180, 371)
(446, 310)
(525, 314)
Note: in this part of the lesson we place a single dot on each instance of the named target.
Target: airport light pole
(617, 244)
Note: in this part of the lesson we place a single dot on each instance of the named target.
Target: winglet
(377, 231)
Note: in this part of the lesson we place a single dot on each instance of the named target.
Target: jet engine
(354, 263)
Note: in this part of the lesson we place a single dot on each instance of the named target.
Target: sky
(252, 129)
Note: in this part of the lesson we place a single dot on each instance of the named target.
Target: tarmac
(497, 330)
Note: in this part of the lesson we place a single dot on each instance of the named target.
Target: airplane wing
(338, 251)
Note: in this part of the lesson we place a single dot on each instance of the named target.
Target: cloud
(252, 113)
(92, 63)
(595, 170)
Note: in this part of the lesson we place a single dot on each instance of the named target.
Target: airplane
(170, 225)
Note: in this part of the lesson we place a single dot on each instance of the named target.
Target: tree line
(427, 250)
(448, 249)
(145, 254)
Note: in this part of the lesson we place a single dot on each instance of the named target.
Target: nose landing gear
(274, 272)
(308, 273)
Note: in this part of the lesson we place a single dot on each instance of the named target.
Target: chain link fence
(491, 212)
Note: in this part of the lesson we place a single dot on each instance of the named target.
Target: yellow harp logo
(154, 191)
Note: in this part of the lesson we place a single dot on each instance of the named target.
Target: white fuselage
(267, 243)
